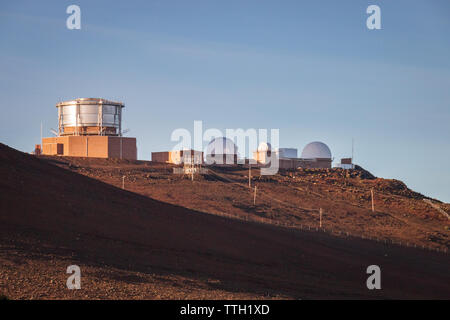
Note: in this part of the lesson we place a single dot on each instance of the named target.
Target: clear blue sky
(310, 68)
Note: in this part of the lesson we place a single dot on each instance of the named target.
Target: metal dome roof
(86, 101)
(316, 150)
(221, 145)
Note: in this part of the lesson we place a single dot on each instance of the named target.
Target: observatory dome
(315, 150)
(264, 147)
(221, 145)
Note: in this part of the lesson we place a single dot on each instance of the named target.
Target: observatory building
(90, 127)
(346, 163)
(286, 153)
(178, 157)
(287, 157)
(221, 151)
(316, 155)
(263, 153)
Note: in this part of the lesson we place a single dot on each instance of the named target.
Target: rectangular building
(178, 156)
(91, 146)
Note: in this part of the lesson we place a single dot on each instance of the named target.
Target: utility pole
(254, 197)
(320, 218)
(123, 182)
(373, 204)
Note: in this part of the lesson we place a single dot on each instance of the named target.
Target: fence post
(373, 205)
(320, 217)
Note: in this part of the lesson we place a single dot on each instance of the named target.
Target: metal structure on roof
(90, 116)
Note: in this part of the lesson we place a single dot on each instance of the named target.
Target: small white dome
(264, 147)
(316, 150)
(221, 146)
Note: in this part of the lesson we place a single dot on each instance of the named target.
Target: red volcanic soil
(131, 246)
(291, 198)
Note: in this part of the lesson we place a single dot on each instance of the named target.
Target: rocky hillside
(129, 245)
(291, 198)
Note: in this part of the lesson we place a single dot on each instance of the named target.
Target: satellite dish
(125, 131)
(55, 133)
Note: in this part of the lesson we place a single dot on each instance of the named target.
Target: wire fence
(308, 227)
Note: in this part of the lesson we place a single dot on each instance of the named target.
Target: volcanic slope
(126, 244)
(289, 198)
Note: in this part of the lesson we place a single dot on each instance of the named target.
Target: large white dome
(316, 150)
(221, 146)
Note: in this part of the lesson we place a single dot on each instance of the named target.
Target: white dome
(316, 150)
(264, 147)
(221, 146)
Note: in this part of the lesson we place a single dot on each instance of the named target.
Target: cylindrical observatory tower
(90, 127)
(90, 116)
